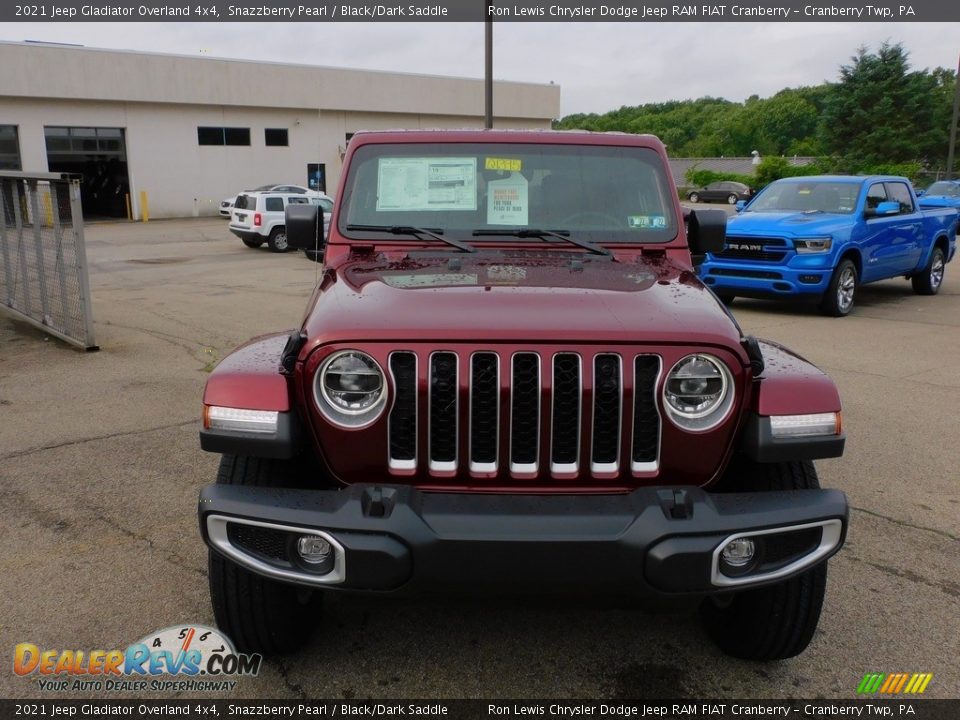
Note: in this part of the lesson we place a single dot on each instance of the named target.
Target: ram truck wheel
(777, 621)
(259, 614)
(929, 280)
(838, 300)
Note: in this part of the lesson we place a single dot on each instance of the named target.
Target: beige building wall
(160, 100)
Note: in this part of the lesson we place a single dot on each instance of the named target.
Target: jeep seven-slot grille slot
(484, 411)
(403, 416)
(618, 410)
(646, 416)
(565, 417)
(443, 393)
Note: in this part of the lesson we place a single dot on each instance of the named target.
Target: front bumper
(652, 542)
(796, 275)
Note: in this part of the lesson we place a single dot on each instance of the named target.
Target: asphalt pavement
(100, 467)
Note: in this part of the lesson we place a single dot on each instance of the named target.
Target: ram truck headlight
(807, 246)
(787, 426)
(698, 393)
(350, 389)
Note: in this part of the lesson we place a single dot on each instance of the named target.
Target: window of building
(275, 137)
(223, 136)
(9, 148)
(236, 136)
(210, 135)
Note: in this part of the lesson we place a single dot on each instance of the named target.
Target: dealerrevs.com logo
(199, 657)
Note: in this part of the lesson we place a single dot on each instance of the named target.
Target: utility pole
(953, 125)
(488, 76)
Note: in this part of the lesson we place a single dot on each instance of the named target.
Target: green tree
(880, 112)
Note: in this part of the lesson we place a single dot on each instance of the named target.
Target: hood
(519, 297)
(938, 201)
(790, 224)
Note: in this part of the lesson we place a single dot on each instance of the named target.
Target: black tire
(693, 197)
(930, 279)
(259, 614)
(253, 243)
(278, 240)
(315, 255)
(732, 199)
(840, 296)
(777, 621)
(726, 298)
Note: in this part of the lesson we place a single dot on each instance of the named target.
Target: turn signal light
(784, 426)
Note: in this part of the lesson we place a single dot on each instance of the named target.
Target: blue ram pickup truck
(822, 237)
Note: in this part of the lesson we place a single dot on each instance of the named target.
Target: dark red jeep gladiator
(510, 380)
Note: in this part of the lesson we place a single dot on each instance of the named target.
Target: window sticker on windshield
(507, 201)
(503, 164)
(646, 221)
(427, 184)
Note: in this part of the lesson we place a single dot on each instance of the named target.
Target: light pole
(953, 125)
(488, 71)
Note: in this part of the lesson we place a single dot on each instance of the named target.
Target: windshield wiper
(543, 234)
(415, 231)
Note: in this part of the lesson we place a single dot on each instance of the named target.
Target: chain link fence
(43, 259)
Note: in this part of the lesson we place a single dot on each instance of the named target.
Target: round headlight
(350, 389)
(697, 393)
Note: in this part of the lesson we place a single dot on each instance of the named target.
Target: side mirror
(887, 207)
(706, 233)
(921, 193)
(304, 225)
(741, 204)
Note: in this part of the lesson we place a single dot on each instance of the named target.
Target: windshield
(813, 196)
(599, 193)
(945, 189)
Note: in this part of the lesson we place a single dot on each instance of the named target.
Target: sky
(599, 66)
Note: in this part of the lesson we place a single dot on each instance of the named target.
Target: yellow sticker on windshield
(503, 164)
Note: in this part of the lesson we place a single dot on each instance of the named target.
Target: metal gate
(43, 259)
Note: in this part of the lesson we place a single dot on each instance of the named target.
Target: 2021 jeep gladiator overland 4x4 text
(510, 379)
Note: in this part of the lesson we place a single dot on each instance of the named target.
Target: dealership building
(184, 132)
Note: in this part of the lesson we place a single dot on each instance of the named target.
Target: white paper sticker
(507, 201)
(427, 184)
(433, 280)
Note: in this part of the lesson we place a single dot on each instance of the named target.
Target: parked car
(476, 404)
(226, 205)
(724, 191)
(258, 217)
(947, 189)
(822, 237)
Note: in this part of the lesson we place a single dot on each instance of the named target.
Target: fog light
(315, 551)
(738, 553)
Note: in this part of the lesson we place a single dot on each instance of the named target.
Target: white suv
(258, 217)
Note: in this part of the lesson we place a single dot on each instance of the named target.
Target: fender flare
(251, 378)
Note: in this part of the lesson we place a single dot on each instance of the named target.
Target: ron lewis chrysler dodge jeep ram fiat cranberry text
(510, 379)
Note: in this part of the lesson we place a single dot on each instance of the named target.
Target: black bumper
(247, 235)
(654, 542)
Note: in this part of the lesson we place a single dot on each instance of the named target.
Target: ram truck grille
(750, 248)
(526, 414)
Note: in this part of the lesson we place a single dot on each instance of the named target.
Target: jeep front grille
(564, 413)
